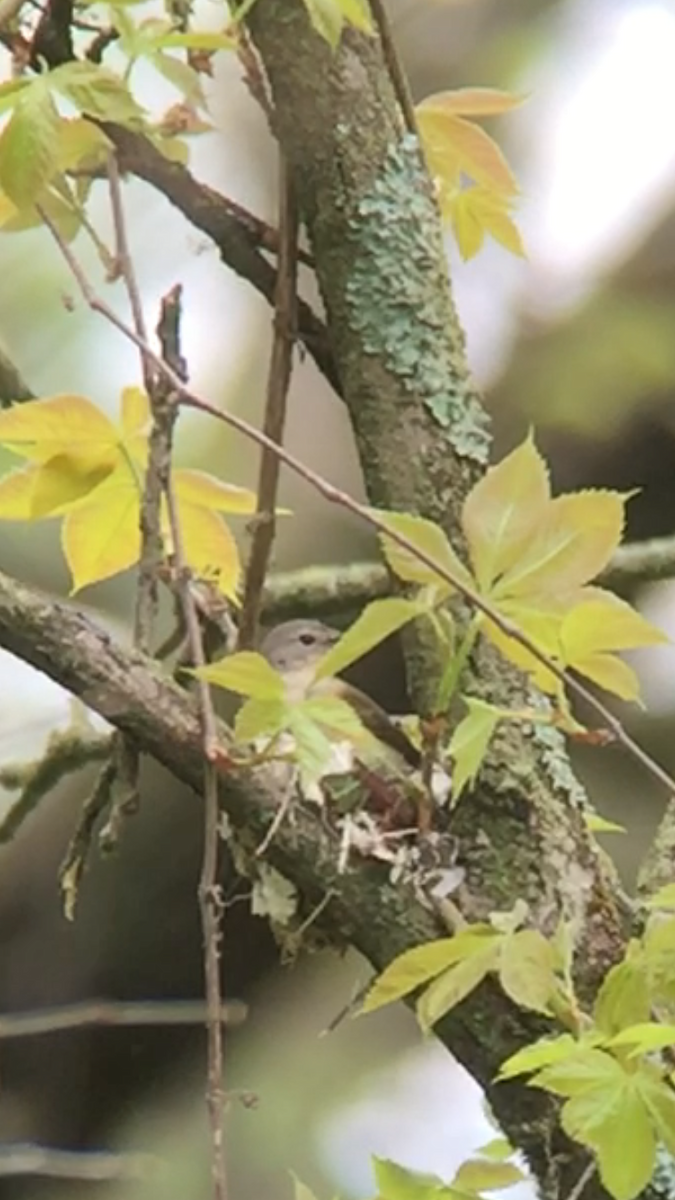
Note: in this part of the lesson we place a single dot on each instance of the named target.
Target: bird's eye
(307, 639)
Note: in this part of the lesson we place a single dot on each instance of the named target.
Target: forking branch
(336, 496)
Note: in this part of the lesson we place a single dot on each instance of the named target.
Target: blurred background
(578, 341)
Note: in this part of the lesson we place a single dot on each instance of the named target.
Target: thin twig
(155, 1013)
(278, 382)
(75, 859)
(210, 899)
(93, 1166)
(396, 72)
(66, 752)
(585, 1177)
(335, 496)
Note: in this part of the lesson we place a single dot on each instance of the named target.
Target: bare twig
(74, 862)
(335, 496)
(93, 1166)
(281, 365)
(125, 266)
(65, 752)
(394, 67)
(585, 1177)
(210, 899)
(155, 1013)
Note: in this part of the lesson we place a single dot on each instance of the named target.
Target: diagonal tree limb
(363, 908)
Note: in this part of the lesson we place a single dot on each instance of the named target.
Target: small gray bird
(295, 648)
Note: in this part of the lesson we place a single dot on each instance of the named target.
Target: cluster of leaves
(476, 187)
(531, 558)
(614, 1071)
(315, 723)
(48, 160)
(490, 1169)
(83, 467)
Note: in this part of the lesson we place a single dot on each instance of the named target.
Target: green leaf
(247, 673)
(29, 145)
(612, 1119)
(469, 742)
(645, 1037)
(10, 91)
(540, 1054)
(329, 16)
(260, 718)
(335, 715)
(455, 985)
(664, 898)
(526, 970)
(378, 621)
(430, 540)
(477, 1174)
(659, 1099)
(623, 998)
(415, 967)
(496, 1150)
(395, 1182)
(300, 1189)
(588, 1068)
(98, 92)
(502, 511)
(313, 749)
(597, 824)
(181, 75)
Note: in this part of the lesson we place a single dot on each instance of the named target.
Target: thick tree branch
(363, 907)
(422, 437)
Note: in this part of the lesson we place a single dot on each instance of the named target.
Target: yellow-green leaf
(540, 1054)
(472, 102)
(623, 999)
(336, 716)
(395, 1182)
(426, 537)
(102, 537)
(247, 673)
(455, 984)
(64, 480)
(198, 487)
(209, 547)
(415, 967)
(474, 212)
(29, 145)
(502, 511)
(57, 425)
(97, 91)
(470, 740)
(572, 544)
(597, 824)
(602, 622)
(612, 1119)
(378, 621)
(476, 1175)
(659, 1099)
(664, 898)
(645, 1037)
(526, 970)
(258, 718)
(449, 140)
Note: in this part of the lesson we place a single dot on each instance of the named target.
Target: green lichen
(399, 303)
(555, 759)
